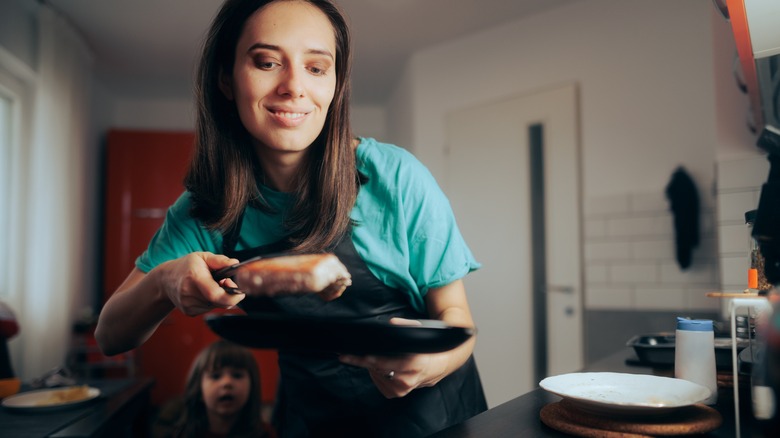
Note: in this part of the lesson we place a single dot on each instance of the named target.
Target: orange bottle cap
(752, 278)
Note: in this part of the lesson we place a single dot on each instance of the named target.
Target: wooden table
(120, 410)
(519, 417)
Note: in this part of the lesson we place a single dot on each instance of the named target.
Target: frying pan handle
(229, 271)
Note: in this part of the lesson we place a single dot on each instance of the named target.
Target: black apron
(318, 396)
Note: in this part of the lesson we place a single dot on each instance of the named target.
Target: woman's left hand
(397, 376)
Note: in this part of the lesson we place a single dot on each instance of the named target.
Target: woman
(222, 397)
(276, 168)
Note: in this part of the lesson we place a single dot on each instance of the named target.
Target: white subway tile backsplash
(663, 225)
(631, 227)
(744, 172)
(595, 228)
(701, 274)
(733, 239)
(599, 251)
(660, 298)
(649, 202)
(634, 273)
(732, 206)
(707, 251)
(608, 298)
(630, 260)
(734, 271)
(653, 250)
(698, 300)
(707, 223)
(607, 205)
(596, 273)
(756, 197)
(630, 255)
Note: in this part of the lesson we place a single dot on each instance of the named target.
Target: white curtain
(53, 288)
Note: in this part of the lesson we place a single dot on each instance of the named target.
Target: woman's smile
(289, 118)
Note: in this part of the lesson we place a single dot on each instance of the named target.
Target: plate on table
(275, 331)
(625, 394)
(44, 400)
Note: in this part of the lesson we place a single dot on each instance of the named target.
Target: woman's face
(284, 76)
(225, 390)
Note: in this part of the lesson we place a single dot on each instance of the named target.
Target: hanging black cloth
(684, 199)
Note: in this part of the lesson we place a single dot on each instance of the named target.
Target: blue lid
(694, 325)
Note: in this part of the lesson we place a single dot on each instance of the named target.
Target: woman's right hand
(144, 300)
(188, 284)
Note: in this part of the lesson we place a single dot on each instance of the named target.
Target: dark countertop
(121, 402)
(519, 417)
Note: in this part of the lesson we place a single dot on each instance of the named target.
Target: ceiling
(150, 47)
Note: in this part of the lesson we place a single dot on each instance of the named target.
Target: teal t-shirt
(406, 232)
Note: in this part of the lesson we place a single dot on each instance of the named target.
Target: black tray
(658, 350)
(273, 331)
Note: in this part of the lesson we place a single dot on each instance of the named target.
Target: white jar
(694, 355)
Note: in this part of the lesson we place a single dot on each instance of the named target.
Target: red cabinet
(144, 175)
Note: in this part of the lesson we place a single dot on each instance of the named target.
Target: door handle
(560, 289)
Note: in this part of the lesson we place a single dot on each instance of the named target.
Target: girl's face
(225, 390)
(284, 76)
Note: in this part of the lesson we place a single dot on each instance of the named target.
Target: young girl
(276, 168)
(222, 397)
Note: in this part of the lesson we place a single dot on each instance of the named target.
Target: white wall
(400, 118)
(369, 121)
(656, 92)
(644, 68)
(166, 114)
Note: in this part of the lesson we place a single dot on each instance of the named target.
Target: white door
(493, 152)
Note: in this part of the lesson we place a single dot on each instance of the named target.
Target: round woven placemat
(695, 419)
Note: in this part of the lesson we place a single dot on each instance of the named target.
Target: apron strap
(230, 238)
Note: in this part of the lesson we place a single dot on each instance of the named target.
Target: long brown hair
(224, 170)
(220, 354)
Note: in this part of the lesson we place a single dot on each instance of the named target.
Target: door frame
(553, 107)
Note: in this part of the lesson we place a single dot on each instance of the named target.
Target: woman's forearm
(143, 301)
(455, 358)
(449, 304)
(132, 314)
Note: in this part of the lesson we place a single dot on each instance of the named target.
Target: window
(16, 85)
(6, 122)
(16, 99)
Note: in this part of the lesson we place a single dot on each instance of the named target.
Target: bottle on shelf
(757, 282)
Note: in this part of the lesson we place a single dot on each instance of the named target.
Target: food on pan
(71, 394)
(317, 273)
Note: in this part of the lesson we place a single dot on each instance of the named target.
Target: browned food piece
(66, 395)
(312, 273)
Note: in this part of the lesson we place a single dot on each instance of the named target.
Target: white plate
(627, 394)
(46, 399)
